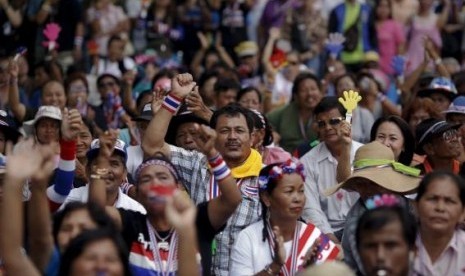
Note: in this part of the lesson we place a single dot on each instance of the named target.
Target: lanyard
(429, 168)
(291, 264)
(155, 250)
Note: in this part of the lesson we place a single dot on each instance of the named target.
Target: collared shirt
(123, 201)
(193, 169)
(451, 262)
(326, 213)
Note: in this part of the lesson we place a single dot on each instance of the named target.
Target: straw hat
(375, 162)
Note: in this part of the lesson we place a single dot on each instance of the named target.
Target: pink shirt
(450, 263)
(390, 35)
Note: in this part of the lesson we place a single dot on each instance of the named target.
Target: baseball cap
(11, 133)
(146, 114)
(120, 148)
(440, 85)
(48, 111)
(430, 128)
(457, 106)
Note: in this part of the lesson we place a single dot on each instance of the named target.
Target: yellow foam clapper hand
(350, 101)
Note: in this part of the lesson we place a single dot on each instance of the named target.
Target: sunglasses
(332, 122)
(450, 135)
(107, 84)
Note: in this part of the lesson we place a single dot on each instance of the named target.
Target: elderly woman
(375, 172)
(440, 204)
(277, 244)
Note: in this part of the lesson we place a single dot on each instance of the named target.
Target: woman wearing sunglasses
(439, 141)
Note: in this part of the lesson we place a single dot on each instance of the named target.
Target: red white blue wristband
(220, 170)
(171, 103)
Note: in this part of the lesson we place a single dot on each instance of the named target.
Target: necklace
(167, 266)
(162, 243)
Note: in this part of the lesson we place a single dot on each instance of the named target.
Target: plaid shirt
(193, 169)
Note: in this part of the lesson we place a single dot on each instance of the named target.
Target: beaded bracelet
(220, 170)
(171, 103)
(125, 187)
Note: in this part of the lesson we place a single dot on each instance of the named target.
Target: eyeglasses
(107, 84)
(332, 122)
(450, 135)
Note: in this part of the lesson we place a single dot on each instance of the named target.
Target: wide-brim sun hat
(375, 162)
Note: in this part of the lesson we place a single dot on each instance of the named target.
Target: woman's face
(54, 94)
(385, 249)
(383, 10)
(287, 200)
(308, 94)
(389, 134)
(73, 225)
(48, 131)
(344, 84)
(98, 258)
(440, 208)
(84, 139)
(77, 93)
(154, 176)
(250, 100)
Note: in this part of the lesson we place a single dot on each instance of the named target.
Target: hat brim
(142, 118)
(92, 154)
(177, 121)
(439, 131)
(427, 93)
(385, 177)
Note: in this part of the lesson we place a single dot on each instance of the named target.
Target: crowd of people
(208, 137)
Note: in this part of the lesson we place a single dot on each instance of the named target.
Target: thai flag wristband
(171, 103)
(220, 170)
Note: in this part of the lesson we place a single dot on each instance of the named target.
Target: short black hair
(225, 84)
(458, 181)
(302, 77)
(248, 89)
(375, 219)
(406, 155)
(114, 38)
(233, 110)
(96, 213)
(328, 103)
(78, 245)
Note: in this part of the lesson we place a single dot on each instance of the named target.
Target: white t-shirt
(123, 201)
(250, 254)
(135, 158)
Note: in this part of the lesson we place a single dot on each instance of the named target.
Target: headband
(384, 200)
(277, 172)
(159, 162)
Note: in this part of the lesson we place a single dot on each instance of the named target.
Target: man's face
(385, 249)
(445, 145)
(457, 118)
(116, 50)
(108, 85)
(234, 139)
(328, 124)
(441, 102)
(185, 136)
(116, 173)
(225, 97)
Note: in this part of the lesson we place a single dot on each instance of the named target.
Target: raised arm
(222, 207)
(31, 160)
(64, 176)
(99, 172)
(40, 242)
(181, 213)
(274, 35)
(343, 170)
(154, 140)
(17, 108)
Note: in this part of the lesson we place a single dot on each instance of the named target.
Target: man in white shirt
(116, 176)
(328, 213)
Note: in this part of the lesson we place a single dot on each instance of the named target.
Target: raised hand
(107, 143)
(398, 65)
(275, 33)
(13, 69)
(344, 132)
(334, 44)
(205, 140)
(350, 100)
(204, 43)
(195, 103)
(180, 211)
(47, 166)
(157, 99)
(71, 124)
(182, 85)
